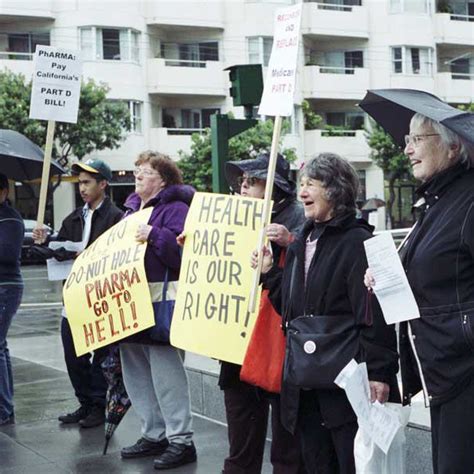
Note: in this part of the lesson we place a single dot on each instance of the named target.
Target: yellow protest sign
(106, 294)
(211, 314)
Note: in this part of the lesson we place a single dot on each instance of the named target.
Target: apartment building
(166, 59)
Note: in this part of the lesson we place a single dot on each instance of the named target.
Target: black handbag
(318, 347)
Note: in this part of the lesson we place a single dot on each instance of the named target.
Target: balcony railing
(462, 76)
(456, 17)
(336, 70)
(184, 131)
(16, 56)
(332, 6)
(184, 63)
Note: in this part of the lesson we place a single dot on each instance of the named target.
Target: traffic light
(247, 84)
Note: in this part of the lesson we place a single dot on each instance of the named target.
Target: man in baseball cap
(93, 166)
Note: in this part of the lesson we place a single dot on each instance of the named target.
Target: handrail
(456, 17)
(16, 55)
(332, 6)
(334, 69)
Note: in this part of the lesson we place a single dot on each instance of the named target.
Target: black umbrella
(117, 401)
(21, 159)
(394, 108)
(373, 204)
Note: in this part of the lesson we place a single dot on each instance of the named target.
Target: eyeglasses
(251, 181)
(144, 171)
(416, 139)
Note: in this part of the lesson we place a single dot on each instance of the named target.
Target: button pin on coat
(309, 347)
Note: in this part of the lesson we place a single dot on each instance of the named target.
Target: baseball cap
(93, 166)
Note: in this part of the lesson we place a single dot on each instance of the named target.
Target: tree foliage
(197, 166)
(311, 119)
(388, 156)
(102, 123)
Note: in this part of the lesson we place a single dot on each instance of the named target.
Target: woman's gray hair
(448, 138)
(338, 178)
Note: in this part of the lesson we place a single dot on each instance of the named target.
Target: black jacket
(335, 287)
(290, 214)
(439, 261)
(103, 218)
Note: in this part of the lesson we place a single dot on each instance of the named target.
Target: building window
(362, 194)
(187, 119)
(259, 49)
(22, 45)
(341, 62)
(135, 116)
(116, 44)
(409, 6)
(347, 120)
(190, 54)
(412, 60)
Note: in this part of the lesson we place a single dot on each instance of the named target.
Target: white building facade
(166, 59)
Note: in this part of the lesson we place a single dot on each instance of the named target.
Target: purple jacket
(170, 208)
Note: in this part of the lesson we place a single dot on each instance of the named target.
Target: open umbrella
(394, 108)
(373, 204)
(117, 401)
(21, 159)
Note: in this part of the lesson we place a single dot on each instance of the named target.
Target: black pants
(247, 418)
(325, 450)
(452, 434)
(85, 371)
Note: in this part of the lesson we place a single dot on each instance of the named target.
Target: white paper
(391, 284)
(60, 270)
(378, 421)
(278, 92)
(56, 84)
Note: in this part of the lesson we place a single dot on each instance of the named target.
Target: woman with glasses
(247, 406)
(153, 372)
(437, 350)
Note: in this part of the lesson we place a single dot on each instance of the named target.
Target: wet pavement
(38, 442)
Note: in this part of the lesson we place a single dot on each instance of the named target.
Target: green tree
(101, 124)
(311, 119)
(388, 156)
(197, 166)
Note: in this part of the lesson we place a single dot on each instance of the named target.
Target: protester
(321, 277)
(153, 372)
(85, 225)
(247, 406)
(12, 232)
(437, 350)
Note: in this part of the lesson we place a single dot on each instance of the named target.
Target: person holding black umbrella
(12, 231)
(437, 350)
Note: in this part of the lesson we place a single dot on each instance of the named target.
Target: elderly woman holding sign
(437, 350)
(153, 370)
(320, 295)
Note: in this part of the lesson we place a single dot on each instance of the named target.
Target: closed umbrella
(117, 400)
(393, 109)
(21, 159)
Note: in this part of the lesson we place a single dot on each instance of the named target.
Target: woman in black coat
(437, 350)
(322, 277)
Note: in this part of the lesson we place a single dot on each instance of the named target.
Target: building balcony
(412, 81)
(455, 88)
(179, 77)
(27, 9)
(326, 19)
(454, 29)
(18, 63)
(351, 144)
(186, 14)
(171, 140)
(322, 82)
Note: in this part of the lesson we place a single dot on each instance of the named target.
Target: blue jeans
(10, 297)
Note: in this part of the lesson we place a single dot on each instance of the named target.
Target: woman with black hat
(246, 405)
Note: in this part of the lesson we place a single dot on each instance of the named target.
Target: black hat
(258, 168)
(93, 166)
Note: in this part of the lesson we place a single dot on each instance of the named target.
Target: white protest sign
(56, 84)
(278, 92)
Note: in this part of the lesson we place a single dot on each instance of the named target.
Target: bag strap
(165, 286)
(286, 312)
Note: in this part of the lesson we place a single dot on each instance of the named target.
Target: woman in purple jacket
(153, 372)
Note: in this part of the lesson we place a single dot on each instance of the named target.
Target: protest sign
(211, 315)
(56, 84)
(279, 87)
(106, 294)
